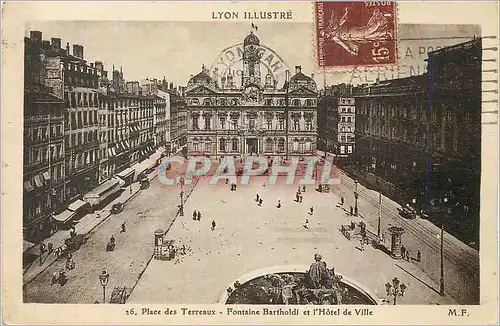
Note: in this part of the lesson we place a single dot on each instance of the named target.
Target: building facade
(256, 117)
(329, 119)
(423, 135)
(346, 126)
(161, 119)
(43, 161)
(85, 136)
(178, 123)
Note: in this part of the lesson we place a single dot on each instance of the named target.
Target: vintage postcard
(329, 162)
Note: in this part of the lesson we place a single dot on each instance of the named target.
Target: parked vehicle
(117, 208)
(119, 295)
(407, 212)
(144, 183)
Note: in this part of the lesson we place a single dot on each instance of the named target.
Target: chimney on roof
(99, 65)
(36, 36)
(78, 51)
(46, 45)
(298, 69)
(287, 75)
(67, 48)
(312, 75)
(56, 43)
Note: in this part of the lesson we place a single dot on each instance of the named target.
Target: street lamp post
(396, 289)
(104, 279)
(441, 279)
(356, 195)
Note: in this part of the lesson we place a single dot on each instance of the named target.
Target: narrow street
(151, 209)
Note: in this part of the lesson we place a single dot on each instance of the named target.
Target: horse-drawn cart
(119, 295)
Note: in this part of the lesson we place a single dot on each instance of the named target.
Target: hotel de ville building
(256, 117)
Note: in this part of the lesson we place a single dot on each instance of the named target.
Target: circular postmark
(229, 61)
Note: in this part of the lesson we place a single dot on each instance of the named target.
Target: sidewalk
(84, 226)
(460, 261)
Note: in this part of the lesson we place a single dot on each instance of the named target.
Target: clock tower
(251, 61)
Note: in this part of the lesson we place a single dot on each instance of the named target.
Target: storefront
(75, 211)
(103, 194)
(141, 169)
(127, 175)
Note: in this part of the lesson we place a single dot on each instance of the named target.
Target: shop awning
(77, 204)
(64, 216)
(149, 163)
(102, 192)
(155, 157)
(114, 151)
(125, 173)
(46, 175)
(127, 143)
(139, 168)
(38, 180)
(120, 181)
(28, 186)
(27, 245)
(101, 189)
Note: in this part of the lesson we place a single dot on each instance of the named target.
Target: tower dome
(251, 39)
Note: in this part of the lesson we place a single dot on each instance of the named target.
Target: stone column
(396, 233)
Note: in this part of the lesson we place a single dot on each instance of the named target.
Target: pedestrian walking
(195, 215)
(298, 190)
(306, 224)
(257, 198)
(112, 239)
(130, 189)
(303, 188)
(260, 201)
(199, 215)
(123, 228)
(408, 255)
(50, 247)
(279, 204)
(351, 210)
(301, 198)
(297, 199)
(362, 244)
(419, 256)
(342, 201)
(403, 251)
(311, 210)
(213, 225)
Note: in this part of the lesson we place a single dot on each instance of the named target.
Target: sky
(177, 50)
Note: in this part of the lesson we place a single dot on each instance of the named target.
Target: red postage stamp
(356, 33)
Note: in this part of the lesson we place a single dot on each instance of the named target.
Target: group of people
(196, 215)
(406, 255)
(298, 195)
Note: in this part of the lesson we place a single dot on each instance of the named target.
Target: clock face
(252, 94)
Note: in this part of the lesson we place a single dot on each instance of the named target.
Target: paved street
(461, 264)
(249, 237)
(151, 209)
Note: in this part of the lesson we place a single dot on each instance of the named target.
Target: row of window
(81, 119)
(44, 133)
(233, 125)
(80, 138)
(46, 154)
(270, 145)
(234, 101)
